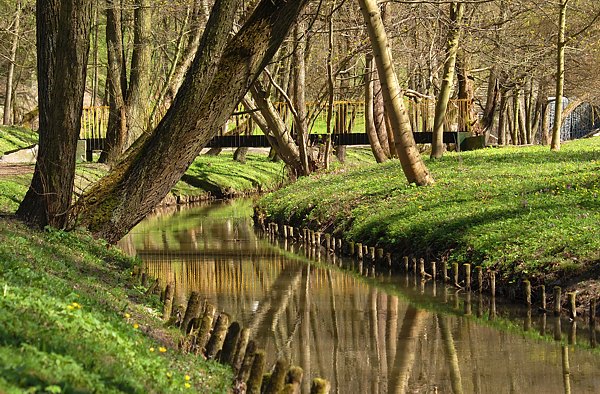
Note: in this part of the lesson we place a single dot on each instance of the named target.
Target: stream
(364, 332)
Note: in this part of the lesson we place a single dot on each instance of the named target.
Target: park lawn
(524, 211)
(73, 320)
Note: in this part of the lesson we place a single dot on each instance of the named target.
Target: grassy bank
(522, 211)
(73, 321)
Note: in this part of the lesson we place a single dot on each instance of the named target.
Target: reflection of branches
(336, 335)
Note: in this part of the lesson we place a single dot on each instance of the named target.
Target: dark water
(364, 333)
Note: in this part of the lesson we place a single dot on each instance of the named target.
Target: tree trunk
(63, 43)
(378, 152)
(274, 127)
(117, 85)
(514, 134)
(502, 117)
(128, 118)
(330, 85)
(300, 120)
(437, 144)
(138, 92)
(11, 67)
(489, 112)
(560, 76)
(154, 164)
(410, 158)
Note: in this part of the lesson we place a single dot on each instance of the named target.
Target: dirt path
(11, 169)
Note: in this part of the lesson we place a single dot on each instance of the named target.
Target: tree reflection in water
(364, 336)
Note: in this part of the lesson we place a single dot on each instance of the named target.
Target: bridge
(348, 116)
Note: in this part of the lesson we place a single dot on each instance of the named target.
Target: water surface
(369, 333)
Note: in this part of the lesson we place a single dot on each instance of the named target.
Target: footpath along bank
(527, 215)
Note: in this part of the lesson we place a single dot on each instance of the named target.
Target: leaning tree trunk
(63, 44)
(410, 158)
(441, 105)
(301, 118)
(560, 76)
(221, 74)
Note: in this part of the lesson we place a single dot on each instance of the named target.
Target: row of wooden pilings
(466, 278)
(212, 335)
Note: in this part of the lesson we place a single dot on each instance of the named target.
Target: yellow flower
(127, 315)
(76, 305)
(136, 326)
(187, 377)
(187, 385)
(70, 307)
(162, 349)
(169, 375)
(151, 349)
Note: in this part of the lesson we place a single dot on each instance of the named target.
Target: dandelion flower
(187, 385)
(151, 349)
(187, 377)
(70, 307)
(127, 315)
(136, 326)
(169, 375)
(162, 349)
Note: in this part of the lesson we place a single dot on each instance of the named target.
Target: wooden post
(169, 294)
(205, 326)
(359, 251)
(339, 244)
(247, 360)
(572, 304)
(388, 259)
(351, 246)
(557, 300)
(293, 380)
(328, 241)
(240, 349)
(291, 232)
(277, 381)
(320, 386)
(493, 283)
(230, 344)
(543, 291)
(557, 329)
(218, 336)
(144, 279)
(433, 269)
(593, 311)
(254, 381)
(405, 263)
(455, 274)
(479, 270)
(372, 253)
(467, 268)
(318, 239)
(527, 285)
(285, 231)
(414, 265)
(380, 254)
(192, 311)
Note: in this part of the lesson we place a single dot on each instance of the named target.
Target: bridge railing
(348, 117)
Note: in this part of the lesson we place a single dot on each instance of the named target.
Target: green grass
(72, 321)
(221, 176)
(13, 138)
(524, 211)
